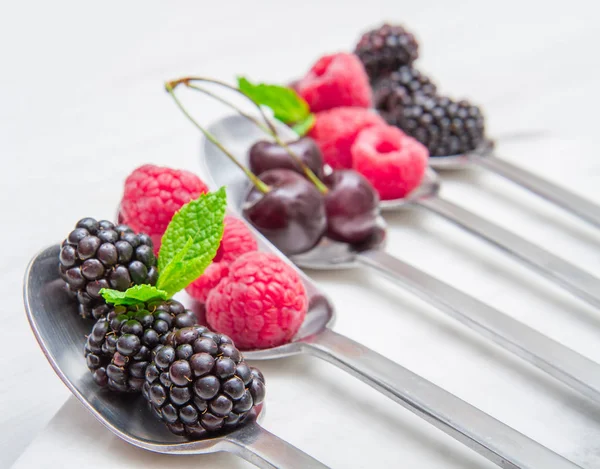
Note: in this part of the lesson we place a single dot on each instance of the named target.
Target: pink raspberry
(152, 196)
(335, 80)
(260, 304)
(202, 286)
(237, 240)
(335, 132)
(390, 160)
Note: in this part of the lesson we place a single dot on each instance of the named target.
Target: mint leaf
(191, 241)
(133, 295)
(303, 127)
(285, 103)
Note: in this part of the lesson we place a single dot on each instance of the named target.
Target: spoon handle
(491, 438)
(568, 366)
(267, 451)
(572, 278)
(556, 194)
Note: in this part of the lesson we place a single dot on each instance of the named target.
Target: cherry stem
(261, 186)
(269, 129)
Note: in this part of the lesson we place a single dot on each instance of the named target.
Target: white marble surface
(81, 105)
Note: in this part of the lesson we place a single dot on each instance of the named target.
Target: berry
(98, 254)
(352, 207)
(291, 215)
(152, 196)
(385, 49)
(237, 240)
(260, 304)
(269, 155)
(334, 81)
(201, 287)
(335, 132)
(118, 349)
(198, 383)
(444, 126)
(390, 92)
(390, 160)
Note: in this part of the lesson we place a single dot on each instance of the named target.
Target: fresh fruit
(198, 383)
(335, 132)
(291, 214)
(118, 349)
(260, 304)
(284, 206)
(333, 81)
(352, 207)
(237, 240)
(98, 254)
(444, 126)
(152, 196)
(201, 287)
(389, 92)
(390, 160)
(266, 155)
(385, 49)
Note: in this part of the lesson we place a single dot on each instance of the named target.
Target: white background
(81, 105)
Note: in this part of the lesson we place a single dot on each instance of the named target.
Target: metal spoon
(484, 157)
(238, 134)
(61, 334)
(571, 368)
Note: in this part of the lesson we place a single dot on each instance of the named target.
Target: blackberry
(446, 127)
(385, 49)
(98, 254)
(199, 383)
(119, 347)
(391, 91)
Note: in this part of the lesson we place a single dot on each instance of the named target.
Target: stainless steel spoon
(573, 369)
(61, 334)
(238, 134)
(484, 157)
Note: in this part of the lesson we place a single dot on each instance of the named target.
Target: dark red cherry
(351, 206)
(269, 155)
(291, 215)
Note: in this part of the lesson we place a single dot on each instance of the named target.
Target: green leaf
(191, 241)
(285, 103)
(303, 127)
(133, 295)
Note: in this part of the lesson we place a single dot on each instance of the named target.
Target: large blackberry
(391, 91)
(446, 127)
(198, 383)
(98, 254)
(385, 49)
(119, 347)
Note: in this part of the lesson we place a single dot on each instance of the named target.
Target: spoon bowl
(61, 334)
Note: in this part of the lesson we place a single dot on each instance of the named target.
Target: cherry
(291, 214)
(266, 155)
(351, 204)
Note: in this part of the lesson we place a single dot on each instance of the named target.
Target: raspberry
(237, 240)
(393, 162)
(335, 80)
(335, 132)
(201, 287)
(152, 196)
(260, 304)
